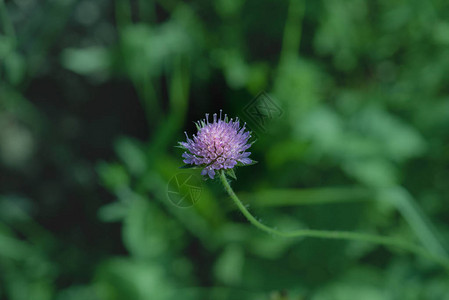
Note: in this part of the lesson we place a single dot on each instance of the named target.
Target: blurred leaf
(17, 143)
(122, 278)
(399, 140)
(323, 126)
(6, 46)
(78, 292)
(300, 84)
(11, 247)
(147, 232)
(372, 172)
(228, 267)
(236, 70)
(14, 208)
(343, 32)
(290, 150)
(228, 7)
(146, 49)
(132, 155)
(15, 68)
(113, 212)
(360, 284)
(88, 60)
(113, 175)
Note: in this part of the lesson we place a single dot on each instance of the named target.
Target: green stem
(328, 234)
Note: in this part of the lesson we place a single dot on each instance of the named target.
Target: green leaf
(88, 60)
(15, 67)
(231, 173)
(113, 212)
(113, 175)
(132, 154)
(229, 265)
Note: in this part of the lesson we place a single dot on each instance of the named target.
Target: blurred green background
(95, 94)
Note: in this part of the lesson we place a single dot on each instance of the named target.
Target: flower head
(219, 145)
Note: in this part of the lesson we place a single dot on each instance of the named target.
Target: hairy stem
(328, 234)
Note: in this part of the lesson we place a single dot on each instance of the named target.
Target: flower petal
(245, 161)
(211, 173)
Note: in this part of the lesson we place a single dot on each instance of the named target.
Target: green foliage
(95, 94)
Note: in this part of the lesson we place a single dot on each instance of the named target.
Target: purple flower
(219, 145)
